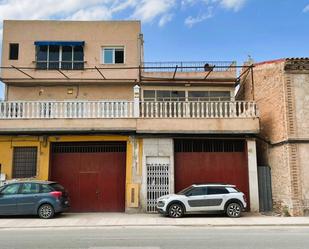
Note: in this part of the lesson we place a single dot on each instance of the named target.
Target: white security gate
(157, 183)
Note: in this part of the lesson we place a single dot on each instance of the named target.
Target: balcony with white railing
(137, 116)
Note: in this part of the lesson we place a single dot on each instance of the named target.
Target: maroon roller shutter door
(93, 174)
(211, 160)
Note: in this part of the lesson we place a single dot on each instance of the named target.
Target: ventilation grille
(89, 147)
(209, 145)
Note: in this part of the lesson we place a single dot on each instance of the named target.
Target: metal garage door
(211, 160)
(93, 173)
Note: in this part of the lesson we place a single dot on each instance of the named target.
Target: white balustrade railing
(126, 109)
(199, 109)
(65, 109)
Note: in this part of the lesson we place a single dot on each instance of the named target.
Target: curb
(160, 225)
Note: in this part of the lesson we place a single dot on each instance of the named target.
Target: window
(45, 188)
(159, 95)
(10, 189)
(196, 191)
(219, 95)
(216, 191)
(209, 95)
(60, 57)
(24, 162)
(13, 54)
(57, 187)
(149, 95)
(169, 95)
(30, 188)
(232, 190)
(113, 55)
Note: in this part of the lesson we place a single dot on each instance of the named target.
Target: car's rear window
(232, 190)
(216, 190)
(57, 187)
(46, 188)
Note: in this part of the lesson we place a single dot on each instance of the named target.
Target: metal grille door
(157, 184)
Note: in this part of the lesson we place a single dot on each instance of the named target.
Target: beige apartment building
(281, 90)
(82, 108)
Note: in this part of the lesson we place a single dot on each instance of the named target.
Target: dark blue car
(42, 198)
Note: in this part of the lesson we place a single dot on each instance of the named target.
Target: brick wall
(268, 92)
(283, 103)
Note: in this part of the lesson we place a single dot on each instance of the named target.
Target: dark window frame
(20, 162)
(75, 63)
(13, 47)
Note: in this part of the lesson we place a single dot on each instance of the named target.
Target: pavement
(124, 219)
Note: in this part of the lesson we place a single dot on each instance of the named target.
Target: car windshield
(184, 191)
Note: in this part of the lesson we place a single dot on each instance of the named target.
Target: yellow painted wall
(43, 143)
(7, 143)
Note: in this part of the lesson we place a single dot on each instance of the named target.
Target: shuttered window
(24, 162)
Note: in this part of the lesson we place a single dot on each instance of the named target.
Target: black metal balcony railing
(189, 66)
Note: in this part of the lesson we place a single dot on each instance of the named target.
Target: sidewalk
(122, 219)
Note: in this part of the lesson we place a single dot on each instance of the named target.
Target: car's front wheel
(176, 211)
(233, 210)
(46, 211)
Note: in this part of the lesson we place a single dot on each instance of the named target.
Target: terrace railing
(200, 109)
(189, 66)
(126, 109)
(65, 109)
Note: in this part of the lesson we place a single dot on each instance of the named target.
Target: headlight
(160, 203)
(163, 198)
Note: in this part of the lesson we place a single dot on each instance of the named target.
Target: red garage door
(93, 174)
(211, 160)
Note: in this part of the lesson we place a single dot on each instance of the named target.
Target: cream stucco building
(83, 108)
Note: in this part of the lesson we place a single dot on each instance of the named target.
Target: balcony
(129, 116)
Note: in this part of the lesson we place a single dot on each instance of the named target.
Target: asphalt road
(157, 237)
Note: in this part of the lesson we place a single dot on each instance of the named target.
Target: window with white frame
(168, 95)
(113, 55)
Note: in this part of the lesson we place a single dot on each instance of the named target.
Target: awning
(59, 43)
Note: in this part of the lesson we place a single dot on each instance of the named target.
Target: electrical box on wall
(133, 193)
(2, 177)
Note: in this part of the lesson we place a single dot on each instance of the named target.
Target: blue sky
(191, 30)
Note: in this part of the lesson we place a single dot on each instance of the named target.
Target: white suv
(203, 198)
